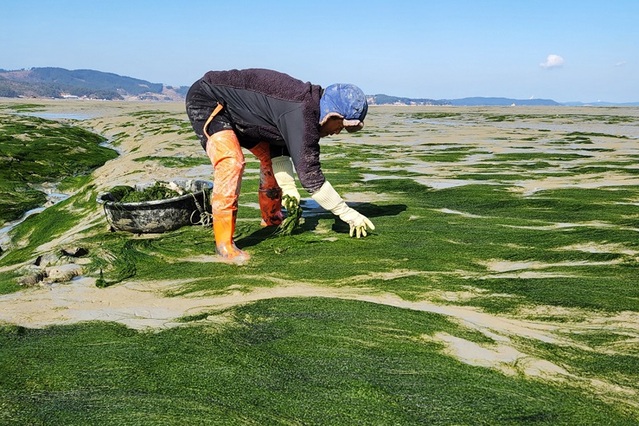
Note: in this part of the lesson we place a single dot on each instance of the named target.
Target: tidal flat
(499, 287)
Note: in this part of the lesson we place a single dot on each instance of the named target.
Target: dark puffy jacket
(265, 105)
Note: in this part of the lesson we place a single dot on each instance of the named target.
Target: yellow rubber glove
(329, 199)
(284, 174)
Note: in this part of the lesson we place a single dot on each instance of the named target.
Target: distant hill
(601, 103)
(62, 83)
(478, 101)
(49, 82)
(394, 100)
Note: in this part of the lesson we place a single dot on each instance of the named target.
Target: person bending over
(280, 120)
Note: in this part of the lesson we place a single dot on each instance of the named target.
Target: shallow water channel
(53, 198)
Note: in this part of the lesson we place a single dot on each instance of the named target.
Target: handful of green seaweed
(158, 191)
(294, 214)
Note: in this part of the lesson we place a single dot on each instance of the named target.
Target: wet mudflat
(498, 288)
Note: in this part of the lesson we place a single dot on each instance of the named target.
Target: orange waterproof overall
(227, 158)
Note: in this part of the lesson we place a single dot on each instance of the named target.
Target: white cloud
(620, 64)
(552, 61)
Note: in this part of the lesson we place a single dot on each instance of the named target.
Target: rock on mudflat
(74, 251)
(63, 273)
(34, 275)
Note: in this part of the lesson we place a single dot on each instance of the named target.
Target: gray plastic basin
(159, 215)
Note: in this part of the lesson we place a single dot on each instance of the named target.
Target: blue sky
(564, 50)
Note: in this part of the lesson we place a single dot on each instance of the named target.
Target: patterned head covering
(346, 101)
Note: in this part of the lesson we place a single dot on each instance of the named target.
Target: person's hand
(357, 222)
(329, 199)
(293, 216)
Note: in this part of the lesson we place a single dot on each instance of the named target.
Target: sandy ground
(141, 305)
